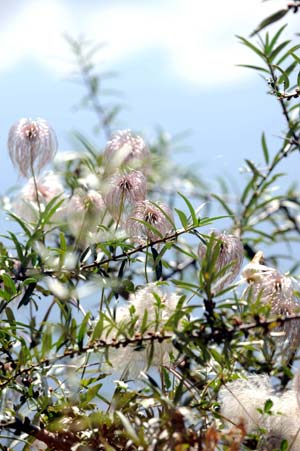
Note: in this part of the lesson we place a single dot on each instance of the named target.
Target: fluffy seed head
(90, 202)
(241, 400)
(230, 256)
(272, 288)
(157, 215)
(31, 144)
(134, 360)
(86, 210)
(128, 188)
(126, 150)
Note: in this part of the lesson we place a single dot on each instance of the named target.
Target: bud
(124, 189)
(158, 215)
(230, 255)
(31, 144)
(126, 150)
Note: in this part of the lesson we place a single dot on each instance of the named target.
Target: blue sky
(176, 61)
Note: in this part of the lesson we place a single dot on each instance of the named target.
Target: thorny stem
(216, 335)
(125, 254)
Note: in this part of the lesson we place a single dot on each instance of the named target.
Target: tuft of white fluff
(242, 400)
(133, 359)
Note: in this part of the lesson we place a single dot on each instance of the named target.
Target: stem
(35, 183)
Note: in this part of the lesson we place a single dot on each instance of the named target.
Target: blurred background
(176, 64)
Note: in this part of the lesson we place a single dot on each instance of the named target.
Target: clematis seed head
(126, 150)
(31, 145)
(229, 258)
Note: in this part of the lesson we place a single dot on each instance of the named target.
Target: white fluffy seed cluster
(133, 359)
(244, 400)
(268, 286)
(127, 163)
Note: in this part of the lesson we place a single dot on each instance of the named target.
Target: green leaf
(191, 209)
(183, 218)
(83, 330)
(9, 284)
(47, 340)
(269, 20)
(98, 329)
(250, 66)
(296, 58)
(21, 222)
(250, 186)
(87, 145)
(278, 50)
(252, 47)
(275, 39)
(224, 204)
(253, 168)
(268, 406)
(51, 208)
(284, 445)
(288, 53)
(265, 148)
(284, 76)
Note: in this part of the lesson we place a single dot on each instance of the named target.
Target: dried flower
(159, 217)
(48, 186)
(272, 288)
(86, 210)
(132, 359)
(123, 189)
(31, 144)
(243, 401)
(126, 149)
(228, 260)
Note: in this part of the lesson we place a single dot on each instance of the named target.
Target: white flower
(31, 144)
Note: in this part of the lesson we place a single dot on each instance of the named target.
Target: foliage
(123, 322)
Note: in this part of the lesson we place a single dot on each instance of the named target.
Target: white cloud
(196, 37)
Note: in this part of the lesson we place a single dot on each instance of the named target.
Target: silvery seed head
(159, 217)
(243, 401)
(229, 258)
(134, 360)
(276, 290)
(123, 189)
(126, 150)
(31, 144)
